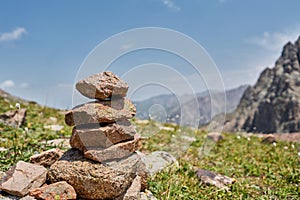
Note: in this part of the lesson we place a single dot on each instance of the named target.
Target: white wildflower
(285, 148)
(299, 154)
(248, 138)
(274, 144)
(293, 146)
(11, 106)
(238, 137)
(26, 129)
(18, 106)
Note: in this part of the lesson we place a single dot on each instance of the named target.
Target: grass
(262, 171)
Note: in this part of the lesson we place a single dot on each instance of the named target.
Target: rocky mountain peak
(273, 103)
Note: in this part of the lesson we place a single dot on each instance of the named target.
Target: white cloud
(7, 84)
(126, 46)
(170, 4)
(274, 41)
(16, 34)
(24, 85)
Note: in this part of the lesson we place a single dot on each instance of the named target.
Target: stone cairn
(102, 129)
(102, 163)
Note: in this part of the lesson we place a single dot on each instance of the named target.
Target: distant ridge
(272, 105)
(173, 109)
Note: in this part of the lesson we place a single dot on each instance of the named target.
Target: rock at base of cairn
(93, 180)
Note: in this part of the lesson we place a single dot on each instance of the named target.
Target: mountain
(273, 104)
(184, 114)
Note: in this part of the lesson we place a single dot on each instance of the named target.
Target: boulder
(59, 190)
(101, 86)
(23, 177)
(100, 112)
(47, 158)
(94, 180)
(116, 151)
(14, 118)
(158, 161)
(90, 136)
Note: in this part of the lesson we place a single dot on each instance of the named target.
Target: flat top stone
(101, 86)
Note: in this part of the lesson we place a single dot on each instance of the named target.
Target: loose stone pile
(102, 163)
(102, 129)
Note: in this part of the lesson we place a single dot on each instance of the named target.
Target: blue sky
(43, 43)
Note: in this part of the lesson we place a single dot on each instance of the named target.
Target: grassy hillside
(262, 171)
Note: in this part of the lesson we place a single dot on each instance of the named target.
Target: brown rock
(100, 112)
(133, 193)
(214, 136)
(212, 178)
(102, 86)
(117, 151)
(86, 137)
(59, 190)
(23, 177)
(270, 139)
(47, 158)
(14, 118)
(94, 180)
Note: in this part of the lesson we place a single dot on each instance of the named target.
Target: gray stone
(212, 178)
(101, 86)
(116, 151)
(133, 193)
(95, 135)
(93, 180)
(23, 177)
(158, 161)
(100, 112)
(147, 195)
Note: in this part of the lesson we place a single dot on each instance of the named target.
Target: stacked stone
(102, 129)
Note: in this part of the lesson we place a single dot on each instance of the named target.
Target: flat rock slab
(212, 178)
(101, 112)
(94, 180)
(47, 158)
(96, 135)
(117, 151)
(23, 177)
(59, 190)
(158, 161)
(101, 86)
(13, 118)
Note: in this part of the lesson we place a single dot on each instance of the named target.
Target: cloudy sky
(44, 43)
